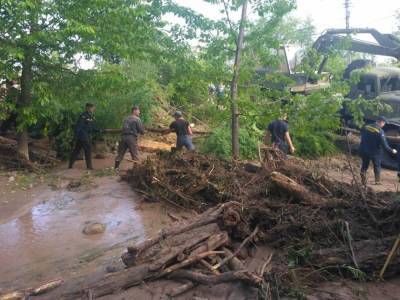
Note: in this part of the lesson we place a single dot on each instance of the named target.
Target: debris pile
(310, 228)
(318, 228)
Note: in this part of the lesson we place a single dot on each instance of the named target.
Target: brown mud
(41, 227)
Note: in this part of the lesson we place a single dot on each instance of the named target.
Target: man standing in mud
(277, 134)
(132, 127)
(372, 140)
(183, 132)
(83, 136)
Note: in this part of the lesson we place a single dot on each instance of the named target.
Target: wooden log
(215, 241)
(235, 264)
(181, 289)
(77, 288)
(295, 189)
(214, 279)
(177, 229)
(209, 267)
(209, 216)
(46, 287)
(231, 217)
(187, 262)
(245, 241)
(162, 253)
(171, 252)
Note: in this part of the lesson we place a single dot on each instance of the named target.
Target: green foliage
(219, 142)
(360, 107)
(312, 120)
(113, 88)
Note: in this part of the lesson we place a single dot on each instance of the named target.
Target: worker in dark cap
(132, 127)
(183, 132)
(83, 136)
(372, 141)
(278, 135)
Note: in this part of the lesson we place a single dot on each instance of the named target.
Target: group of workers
(132, 128)
(373, 139)
(373, 142)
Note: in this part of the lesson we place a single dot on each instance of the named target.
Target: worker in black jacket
(372, 141)
(83, 136)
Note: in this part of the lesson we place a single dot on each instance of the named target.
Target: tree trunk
(234, 84)
(25, 100)
(22, 144)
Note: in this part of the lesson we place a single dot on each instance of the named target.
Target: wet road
(47, 241)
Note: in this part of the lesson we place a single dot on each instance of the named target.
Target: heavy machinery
(382, 82)
(374, 82)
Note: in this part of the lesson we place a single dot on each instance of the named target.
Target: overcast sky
(328, 13)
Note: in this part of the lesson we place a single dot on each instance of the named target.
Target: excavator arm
(386, 44)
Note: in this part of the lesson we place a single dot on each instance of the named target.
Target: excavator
(374, 81)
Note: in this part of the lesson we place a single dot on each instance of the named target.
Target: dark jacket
(372, 140)
(85, 127)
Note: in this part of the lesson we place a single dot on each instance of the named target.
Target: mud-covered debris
(92, 228)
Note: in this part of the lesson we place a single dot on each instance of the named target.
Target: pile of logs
(196, 252)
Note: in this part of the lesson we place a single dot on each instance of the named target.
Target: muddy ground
(42, 218)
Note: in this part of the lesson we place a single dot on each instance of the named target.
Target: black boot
(117, 163)
(363, 178)
(377, 180)
(70, 164)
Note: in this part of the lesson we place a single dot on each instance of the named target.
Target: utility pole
(347, 13)
(347, 9)
(234, 83)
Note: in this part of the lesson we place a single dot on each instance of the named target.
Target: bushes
(220, 142)
(113, 88)
(312, 120)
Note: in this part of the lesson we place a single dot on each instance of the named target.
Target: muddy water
(47, 241)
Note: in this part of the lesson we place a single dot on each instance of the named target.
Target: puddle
(47, 240)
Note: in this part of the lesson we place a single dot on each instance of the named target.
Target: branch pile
(317, 229)
(320, 228)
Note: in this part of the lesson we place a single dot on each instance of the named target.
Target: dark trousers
(9, 123)
(128, 142)
(184, 141)
(376, 161)
(87, 148)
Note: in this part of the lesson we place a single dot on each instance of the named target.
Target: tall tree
(41, 37)
(234, 83)
(234, 32)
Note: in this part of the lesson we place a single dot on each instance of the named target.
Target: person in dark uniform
(131, 128)
(83, 136)
(372, 140)
(183, 132)
(277, 134)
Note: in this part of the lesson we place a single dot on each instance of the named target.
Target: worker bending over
(372, 140)
(132, 127)
(277, 134)
(183, 132)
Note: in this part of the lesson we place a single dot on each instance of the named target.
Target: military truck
(374, 82)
